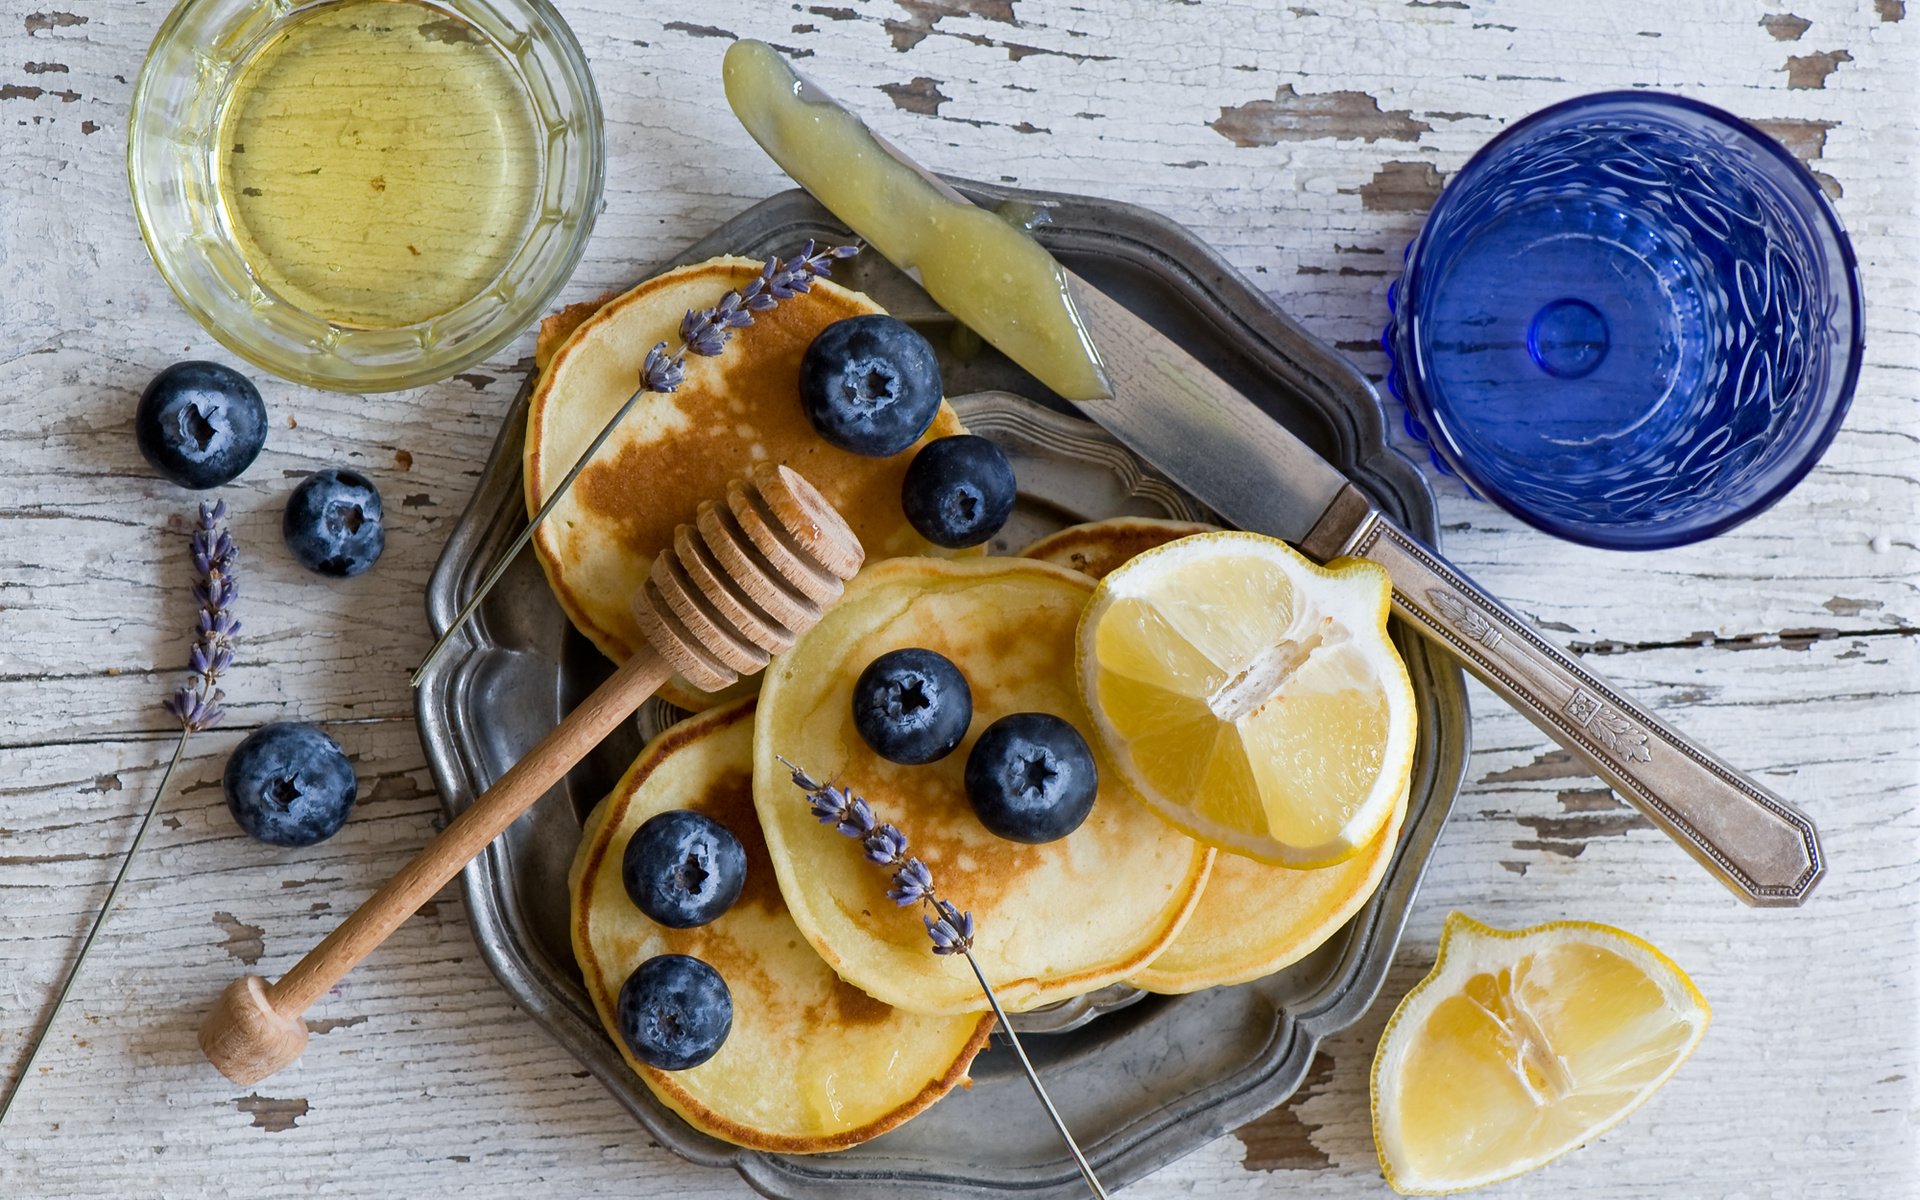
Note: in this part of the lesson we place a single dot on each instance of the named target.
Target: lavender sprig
(885, 846)
(196, 705)
(706, 331)
(702, 331)
(950, 929)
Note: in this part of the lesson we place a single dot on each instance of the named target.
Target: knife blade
(1203, 434)
(1199, 431)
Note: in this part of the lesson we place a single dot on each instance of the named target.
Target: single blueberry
(958, 491)
(200, 424)
(870, 385)
(332, 523)
(683, 869)
(674, 1012)
(912, 706)
(289, 785)
(1031, 778)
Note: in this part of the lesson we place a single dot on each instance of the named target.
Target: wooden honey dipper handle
(257, 1028)
(758, 572)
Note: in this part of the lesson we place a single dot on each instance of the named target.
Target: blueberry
(870, 385)
(1031, 778)
(683, 869)
(332, 523)
(289, 785)
(958, 491)
(674, 1012)
(912, 706)
(200, 424)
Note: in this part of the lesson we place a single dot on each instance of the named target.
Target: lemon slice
(1520, 1046)
(1251, 697)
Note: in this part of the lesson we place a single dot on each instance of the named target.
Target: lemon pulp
(1523, 1045)
(1252, 696)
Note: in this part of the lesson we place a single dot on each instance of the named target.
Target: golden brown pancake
(1254, 918)
(1054, 920)
(673, 451)
(1097, 547)
(557, 328)
(811, 1064)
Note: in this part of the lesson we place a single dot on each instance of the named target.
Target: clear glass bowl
(1632, 320)
(173, 154)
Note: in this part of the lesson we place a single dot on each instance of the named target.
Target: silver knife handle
(1763, 848)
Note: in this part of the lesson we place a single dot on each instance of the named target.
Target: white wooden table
(1305, 142)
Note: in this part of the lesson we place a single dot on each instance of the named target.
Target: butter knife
(1207, 437)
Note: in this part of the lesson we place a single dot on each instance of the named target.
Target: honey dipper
(737, 587)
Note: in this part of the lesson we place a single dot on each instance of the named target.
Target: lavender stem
(99, 921)
(1033, 1077)
(559, 493)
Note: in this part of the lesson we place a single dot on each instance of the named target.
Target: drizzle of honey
(379, 162)
(985, 271)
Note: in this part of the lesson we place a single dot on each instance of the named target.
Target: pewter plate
(1142, 1080)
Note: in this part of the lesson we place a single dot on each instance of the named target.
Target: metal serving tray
(1141, 1080)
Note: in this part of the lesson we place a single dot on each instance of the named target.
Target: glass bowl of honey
(365, 195)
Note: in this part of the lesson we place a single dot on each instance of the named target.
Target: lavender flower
(706, 331)
(952, 931)
(912, 883)
(885, 846)
(196, 704)
(847, 813)
(662, 372)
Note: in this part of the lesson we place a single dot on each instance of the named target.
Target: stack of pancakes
(811, 1063)
(845, 1023)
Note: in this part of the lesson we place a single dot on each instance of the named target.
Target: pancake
(557, 328)
(1053, 920)
(673, 451)
(1097, 547)
(811, 1064)
(1254, 919)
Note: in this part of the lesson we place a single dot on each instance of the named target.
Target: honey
(976, 264)
(379, 162)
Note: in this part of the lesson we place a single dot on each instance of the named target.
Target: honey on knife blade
(976, 265)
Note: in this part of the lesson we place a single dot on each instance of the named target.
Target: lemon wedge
(1251, 697)
(1520, 1046)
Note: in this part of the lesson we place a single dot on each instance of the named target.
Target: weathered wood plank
(1304, 142)
(1811, 1008)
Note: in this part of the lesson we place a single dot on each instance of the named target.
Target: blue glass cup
(1632, 320)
